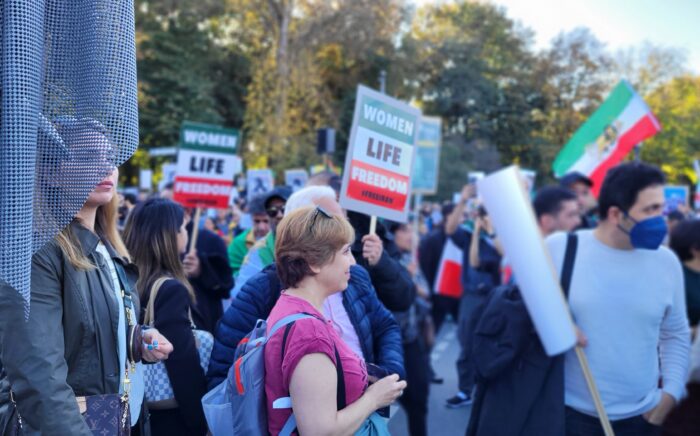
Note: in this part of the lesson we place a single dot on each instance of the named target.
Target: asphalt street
(441, 420)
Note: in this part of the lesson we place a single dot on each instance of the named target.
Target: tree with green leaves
(472, 66)
(676, 104)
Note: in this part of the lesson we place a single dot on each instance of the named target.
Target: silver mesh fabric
(69, 116)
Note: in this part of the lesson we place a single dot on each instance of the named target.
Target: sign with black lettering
(379, 162)
(206, 164)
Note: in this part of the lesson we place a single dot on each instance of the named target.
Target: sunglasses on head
(273, 211)
(319, 211)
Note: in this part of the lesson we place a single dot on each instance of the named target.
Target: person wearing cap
(262, 253)
(238, 248)
(581, 185)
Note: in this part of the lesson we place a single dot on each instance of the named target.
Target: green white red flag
(621, 122)
(449, 278)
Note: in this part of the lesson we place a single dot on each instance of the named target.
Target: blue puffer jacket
(379, 335)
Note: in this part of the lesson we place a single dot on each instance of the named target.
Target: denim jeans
(580, 424)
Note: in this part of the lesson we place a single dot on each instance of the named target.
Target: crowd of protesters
(371, 312)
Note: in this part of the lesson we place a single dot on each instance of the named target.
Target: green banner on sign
(208, 137)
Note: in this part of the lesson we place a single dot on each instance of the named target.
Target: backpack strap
(340, 392)
(569, 258)
(290, 425)
(288, 320)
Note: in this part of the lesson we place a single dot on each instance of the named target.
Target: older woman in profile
(305, 361)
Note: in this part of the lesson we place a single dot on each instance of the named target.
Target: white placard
(259, 182)
(510, 210)
(296, 178)
(146, 179)
(379, 159)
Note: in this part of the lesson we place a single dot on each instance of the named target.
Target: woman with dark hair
(156, 237)
(685, 242)
(76, 343)
(309, 362)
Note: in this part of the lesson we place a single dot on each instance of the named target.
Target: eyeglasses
(273, 211)
(319, 211)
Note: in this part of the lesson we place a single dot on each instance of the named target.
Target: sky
(618, 23)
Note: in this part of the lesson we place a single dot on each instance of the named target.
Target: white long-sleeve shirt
(631, 306)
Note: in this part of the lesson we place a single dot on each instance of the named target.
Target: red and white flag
(449, 278)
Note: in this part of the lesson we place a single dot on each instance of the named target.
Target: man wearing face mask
(626, 296)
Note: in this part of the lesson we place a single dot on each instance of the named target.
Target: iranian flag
(449, 277)
(621, 122)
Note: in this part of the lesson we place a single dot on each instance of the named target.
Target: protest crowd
(228, 302)
(372, 302)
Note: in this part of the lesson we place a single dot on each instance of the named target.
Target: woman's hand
(386, 390)
(155, 346)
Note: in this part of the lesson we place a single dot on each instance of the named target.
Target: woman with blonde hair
(308, 361)
(81, 340)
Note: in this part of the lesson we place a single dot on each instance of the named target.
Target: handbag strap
(149, 318)
(569, 260)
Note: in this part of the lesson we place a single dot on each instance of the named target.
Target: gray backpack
(247, 381)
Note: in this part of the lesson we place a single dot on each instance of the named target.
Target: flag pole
(593, 389)
(195, 229)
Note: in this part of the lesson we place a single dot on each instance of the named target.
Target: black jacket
(392, 281)
(68, 346)
(214, 282)
(376, 329)
(184, 371)
(429, 253)
(520, 390)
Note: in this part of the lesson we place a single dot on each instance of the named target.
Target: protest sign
(259, 182)
(427, 159)
(146, 179)
(206, 164)
(511, 213)
(377, 174)
(296, 178)
(675, 196)
(169, 170)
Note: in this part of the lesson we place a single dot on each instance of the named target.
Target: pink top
(334, 310)
(306, 336)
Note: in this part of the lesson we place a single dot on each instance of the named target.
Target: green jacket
(267, 251)
(238, 248)
(68, 347)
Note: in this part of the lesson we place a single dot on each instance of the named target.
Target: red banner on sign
(378, 186)
(198, 192)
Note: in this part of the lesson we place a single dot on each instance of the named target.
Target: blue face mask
(648, 233)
